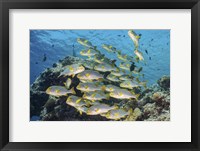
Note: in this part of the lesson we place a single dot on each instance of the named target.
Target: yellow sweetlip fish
(126, 77)
(72, 70)
(82, 109)
(117, 114)
(90, 86)
(76, 101)
(130, 84)
(59, 91)
(109, 48)
(89, 64)
(113, 78)
(85, 43)
(90, 52)
(97, 95)
(118, 73)
(125, 66)
(124, 57)
(139, 54)
(104, 67)
(99, 58)
(90, 75)
(111, 88)
(134, 37)
(122, 94)
(99, 109)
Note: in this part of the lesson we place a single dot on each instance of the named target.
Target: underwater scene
(100, 75)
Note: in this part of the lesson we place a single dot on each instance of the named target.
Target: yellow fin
(94, 94)
(103, 87)
(73, 75)
(72, 90)
(57, 90)
(137, 37)
(71, 68)
(87, 74)
(77, 101)
(120, 93)
(137, 96)
(89, 50)
(80, 112)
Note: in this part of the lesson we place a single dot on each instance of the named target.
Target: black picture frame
(5, 5)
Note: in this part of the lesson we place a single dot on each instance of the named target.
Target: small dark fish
(140, 69)
(36, 62)
(140, 35)
(149, 58)
(152, 39)
(124, 36)
(146, 51)
(52, 45)
(167, 43)
(74, 53)
(113, 61)
(119, 35)
(132, 67)
(44, 58)
(158, 69)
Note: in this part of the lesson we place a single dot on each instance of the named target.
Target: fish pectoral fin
(87, 74)
(77, 101)
(120, 94)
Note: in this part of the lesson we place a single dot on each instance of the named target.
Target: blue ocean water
(49, 46)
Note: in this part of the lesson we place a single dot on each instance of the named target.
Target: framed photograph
(99, 75)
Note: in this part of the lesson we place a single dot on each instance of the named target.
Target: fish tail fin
(138, 37)
(103, 88)
(72, 90)
(137, 79)
(137, 96)
(144, 84)
(115, 106)
(95, 47)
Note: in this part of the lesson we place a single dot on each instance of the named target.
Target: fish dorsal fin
(110, 46)
(85, 41)
(86, 86)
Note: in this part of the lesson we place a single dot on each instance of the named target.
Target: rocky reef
(153, 104)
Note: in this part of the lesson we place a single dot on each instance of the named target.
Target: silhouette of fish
(44, 58)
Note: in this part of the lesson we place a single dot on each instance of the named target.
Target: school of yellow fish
(94, 73)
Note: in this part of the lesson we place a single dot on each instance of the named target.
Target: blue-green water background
(48, 46)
